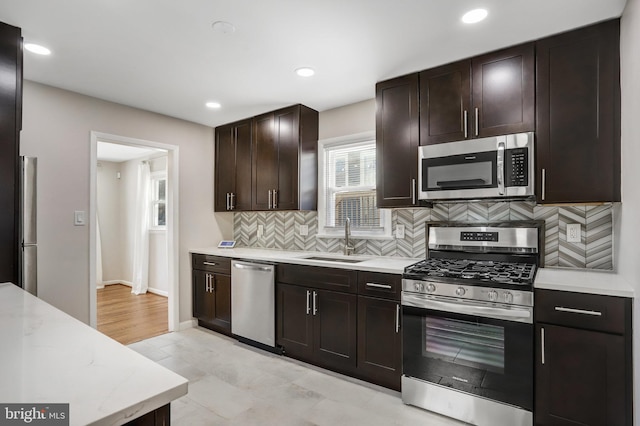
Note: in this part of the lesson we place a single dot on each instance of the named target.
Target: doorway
(133, 259)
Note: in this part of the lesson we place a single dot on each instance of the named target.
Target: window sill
(157, 230)
(357, 237)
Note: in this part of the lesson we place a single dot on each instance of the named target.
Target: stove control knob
(431, 288)
(460, 291)
(508, 297)
(493, 295)
(418, 286)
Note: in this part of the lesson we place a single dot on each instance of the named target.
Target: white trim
(163, 293)
(184, 325)
(158, 230)
(173, 221)
(385, 214)
(114, 282)
(130, 284)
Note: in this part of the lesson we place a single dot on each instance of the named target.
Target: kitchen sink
(335, 259)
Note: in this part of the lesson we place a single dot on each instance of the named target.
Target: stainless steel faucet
(348, 248)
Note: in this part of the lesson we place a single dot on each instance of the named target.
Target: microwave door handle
(501, 148)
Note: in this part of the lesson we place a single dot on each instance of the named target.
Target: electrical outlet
(399, 231)
(304, 230)
(574, 232)
(260, 231)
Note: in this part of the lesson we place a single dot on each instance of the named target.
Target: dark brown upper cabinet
(488, 95)
(11, 122)
(284, 160)
(578, 115)
(233, 166)
(397, 140)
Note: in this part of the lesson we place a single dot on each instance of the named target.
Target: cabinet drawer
(588, 311)
(210, 263)
(318, 277)
(378, 284)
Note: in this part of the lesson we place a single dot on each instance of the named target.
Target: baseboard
(112, 282)
(163, 293)
(184, 325)
(99, 287)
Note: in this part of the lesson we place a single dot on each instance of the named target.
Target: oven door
(486, 357)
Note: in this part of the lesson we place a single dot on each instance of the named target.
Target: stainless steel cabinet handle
(466, 124)
(232, 201)
(413, 191)
(208, 287)
(477, 121)
(544, 173)
(209, 263)
(206, 283)
(213, 284)
(228, 202)
(387, 286)
(542, 344)
(270, 199)
(500, 161)
(579, 311)
(397, 318)
(315, 303)
(275, 199)
(252, 267)
(308, 303)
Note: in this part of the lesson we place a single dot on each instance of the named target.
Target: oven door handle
(514, 314)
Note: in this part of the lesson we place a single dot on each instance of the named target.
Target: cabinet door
(221, 315)
(203, 298)
(578, 111)
(503, 92)
(287, 137)
(334, 329)
(233, 166)
(294, 320)
(397, 134)
(581, 380)
(265, 161)
(445, 103)
(379, 341)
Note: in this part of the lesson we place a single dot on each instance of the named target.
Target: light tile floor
(234, 384)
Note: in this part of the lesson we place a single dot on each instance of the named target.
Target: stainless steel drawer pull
(210, 263)
(579, 311)
(387, 286)
(308, 303)
(542, 344)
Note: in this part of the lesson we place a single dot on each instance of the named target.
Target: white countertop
(392, 265)
(583, 281)
(47, 356)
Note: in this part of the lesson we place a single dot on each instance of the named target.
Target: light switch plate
(78, 218)
(399, 231)
(304, 230)
(574, 231)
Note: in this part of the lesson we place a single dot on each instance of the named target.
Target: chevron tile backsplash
(595, 251)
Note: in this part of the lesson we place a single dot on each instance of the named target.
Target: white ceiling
(119, 153)
(163, 56)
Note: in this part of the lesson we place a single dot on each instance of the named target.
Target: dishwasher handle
(253, 267)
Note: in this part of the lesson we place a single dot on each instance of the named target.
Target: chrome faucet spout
(348, 248)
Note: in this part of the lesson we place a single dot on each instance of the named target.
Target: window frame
(153, 201)
(325, 231)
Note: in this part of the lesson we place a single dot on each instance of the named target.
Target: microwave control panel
(517, 167)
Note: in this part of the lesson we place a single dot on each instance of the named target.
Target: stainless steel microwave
(495, 167)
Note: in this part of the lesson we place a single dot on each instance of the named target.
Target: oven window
(465, 343)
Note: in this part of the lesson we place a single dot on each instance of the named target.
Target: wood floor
(129, 318)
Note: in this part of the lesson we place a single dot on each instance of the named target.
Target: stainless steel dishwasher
(253, 303)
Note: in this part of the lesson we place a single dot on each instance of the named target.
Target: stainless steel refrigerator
(28, 226)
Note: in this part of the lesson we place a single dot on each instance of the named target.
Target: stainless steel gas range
(467, 315)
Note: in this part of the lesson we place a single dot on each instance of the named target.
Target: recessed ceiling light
(474, 16)
(305, 72)
(213, 105)
(223, 27)
(37, 49)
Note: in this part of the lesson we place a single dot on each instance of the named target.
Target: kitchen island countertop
(48, 356)
(386, 264)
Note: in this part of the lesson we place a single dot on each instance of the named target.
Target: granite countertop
(392, 265)
(48, 356)
(583, 281)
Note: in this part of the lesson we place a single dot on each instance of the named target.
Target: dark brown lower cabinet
(158, 417)
(212, 300)
(317, 326)
(379, 344)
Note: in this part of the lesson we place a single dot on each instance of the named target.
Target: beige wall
(56, 128)
(109, 214)
(628, 241)
(347, 120)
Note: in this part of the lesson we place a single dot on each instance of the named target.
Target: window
(158, 200)
(347, 188)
